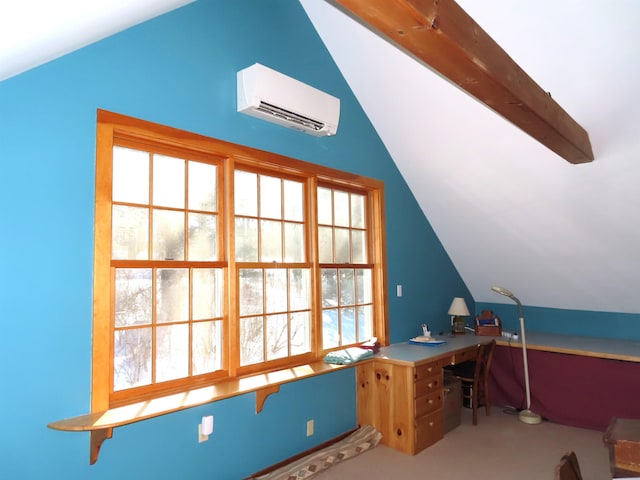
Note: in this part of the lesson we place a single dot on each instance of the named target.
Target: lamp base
(527, 416)
(457, 327)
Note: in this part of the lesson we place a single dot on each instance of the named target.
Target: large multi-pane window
(214, 261)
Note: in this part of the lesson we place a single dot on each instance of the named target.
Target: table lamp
(526, 416)
(457, 310)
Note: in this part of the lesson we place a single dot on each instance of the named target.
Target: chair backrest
(568, 468)
(484, 359)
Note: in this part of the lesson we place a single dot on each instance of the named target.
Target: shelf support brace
(97, 438)
(262, 394)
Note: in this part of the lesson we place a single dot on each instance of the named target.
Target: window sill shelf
(101, 424)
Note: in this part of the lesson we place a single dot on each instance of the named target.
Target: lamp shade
(458, 307)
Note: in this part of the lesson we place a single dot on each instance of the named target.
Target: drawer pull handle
(431, 424)
(378, 376)
(399, 432)
(430, 402)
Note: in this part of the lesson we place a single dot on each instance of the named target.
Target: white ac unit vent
(275, 97)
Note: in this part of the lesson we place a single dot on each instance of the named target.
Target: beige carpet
(500, 447)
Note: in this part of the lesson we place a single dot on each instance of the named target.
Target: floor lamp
(526, 416)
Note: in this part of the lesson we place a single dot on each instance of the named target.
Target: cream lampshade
(457, 310)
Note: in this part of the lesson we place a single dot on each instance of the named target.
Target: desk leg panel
(573, 390)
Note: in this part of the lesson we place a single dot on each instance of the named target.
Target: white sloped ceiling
(509, 211)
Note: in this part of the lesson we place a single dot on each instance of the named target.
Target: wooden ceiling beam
(442, 35)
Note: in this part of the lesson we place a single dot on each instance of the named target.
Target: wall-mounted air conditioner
(275, 97)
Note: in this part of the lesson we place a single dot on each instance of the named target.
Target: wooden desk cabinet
(400, 392)
(403, 402)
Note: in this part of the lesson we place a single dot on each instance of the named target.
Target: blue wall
(178, 70)
(623, 326)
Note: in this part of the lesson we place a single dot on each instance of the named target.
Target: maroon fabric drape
(573, 390)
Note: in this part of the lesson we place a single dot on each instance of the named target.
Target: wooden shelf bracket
(97, 439)
(262, 394)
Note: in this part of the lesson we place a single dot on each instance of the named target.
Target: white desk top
(411, 354)
(408, 353)
(627, 350)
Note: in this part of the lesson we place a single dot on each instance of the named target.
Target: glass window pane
(347, 287)
(329, 287)
(168, 235)
(168, 181)
(276, 290)
(343, 251)
(299, 288)
(348, 324)
(172, 298)
(203, 187)
(246, 193)
(251, 340)
(270, 197)
(134, 297)
(251, 291)
(330, 330)
(208, 289)
(271, 239)
(364, 286)
(340, 208)
(130, 233)
(325, 206)
(130, 176)
(325, 244)
(293, 201)
(294, 250)
(132, 358)
(246, 240)
(359, 246)
(300, 333)
(172, 352)
(203, 237)
(365, 323)
(277, 336)
(358, 215)
(207, 347)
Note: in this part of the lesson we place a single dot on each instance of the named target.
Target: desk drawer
(464, 356)
(428, 403)
(428, 385)
(429, 430)
(429, 369)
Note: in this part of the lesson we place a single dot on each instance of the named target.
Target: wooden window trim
(102, 418)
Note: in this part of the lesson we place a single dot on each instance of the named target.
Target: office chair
(474, 375)
(568, 468)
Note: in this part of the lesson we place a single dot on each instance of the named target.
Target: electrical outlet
(201, 436)
(309, 428)
(205, 428)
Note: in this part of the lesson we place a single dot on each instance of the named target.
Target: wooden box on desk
(489, 330)
(623, 438)
(488, 324)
